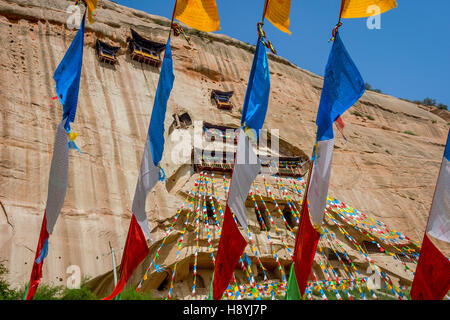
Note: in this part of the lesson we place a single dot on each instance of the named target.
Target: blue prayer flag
(343, 86)
(165, 84)
(67, 76)
(258, 89)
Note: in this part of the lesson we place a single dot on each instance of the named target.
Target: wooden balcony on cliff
(291, 166)
(145, 51)
(222, 99)
(220, 133)
(216, 161)
(106, 53)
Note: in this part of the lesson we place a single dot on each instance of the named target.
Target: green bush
(130, 293)
(6, 293)
(83, 293)
(47, 292)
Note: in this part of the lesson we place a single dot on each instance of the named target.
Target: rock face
(387, 168)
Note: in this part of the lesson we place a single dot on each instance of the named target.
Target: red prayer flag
(135, 251)
(432, 277)
(231, 247)
(305, 249)
(41, 253)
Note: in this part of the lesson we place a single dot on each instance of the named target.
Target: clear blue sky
(409, 57)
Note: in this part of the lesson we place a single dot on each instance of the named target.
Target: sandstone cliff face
(387, 169)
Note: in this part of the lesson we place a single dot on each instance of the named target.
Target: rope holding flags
(262, 36)
(177, 30)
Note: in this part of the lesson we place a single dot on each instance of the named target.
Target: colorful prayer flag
(136, 248)
(246, 168)
(154, 146)
(432, 276)
(277, 13)
(343, 86)
(67, 76)
(198, 14)
(364, 8)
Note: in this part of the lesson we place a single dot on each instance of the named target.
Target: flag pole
(171, 22)
(114, 263)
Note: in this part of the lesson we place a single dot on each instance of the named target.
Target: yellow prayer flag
(92, 5)
(277, 13)
(366, 8)
(198, 14)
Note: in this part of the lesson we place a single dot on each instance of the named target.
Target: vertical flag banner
(149, 173)
(432, 276)
(245, 170)
(135, 251)
(57, 186)
(439, 221)
(343, 86)
(198, 14)
(278, 12)
(360, 8)
(67, 76)
(136, 248)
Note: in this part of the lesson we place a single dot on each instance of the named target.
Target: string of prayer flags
(277, 12)
(365, 8)
(198, 14)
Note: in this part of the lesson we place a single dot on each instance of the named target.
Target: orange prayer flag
(366, 8)
(198, 14)
(92, 5)
(277, 13)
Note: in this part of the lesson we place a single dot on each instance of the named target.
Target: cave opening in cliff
(262, 218)
(370, 247)
(210, 213)
(287, 214)
(165, 283)
(182, 121)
